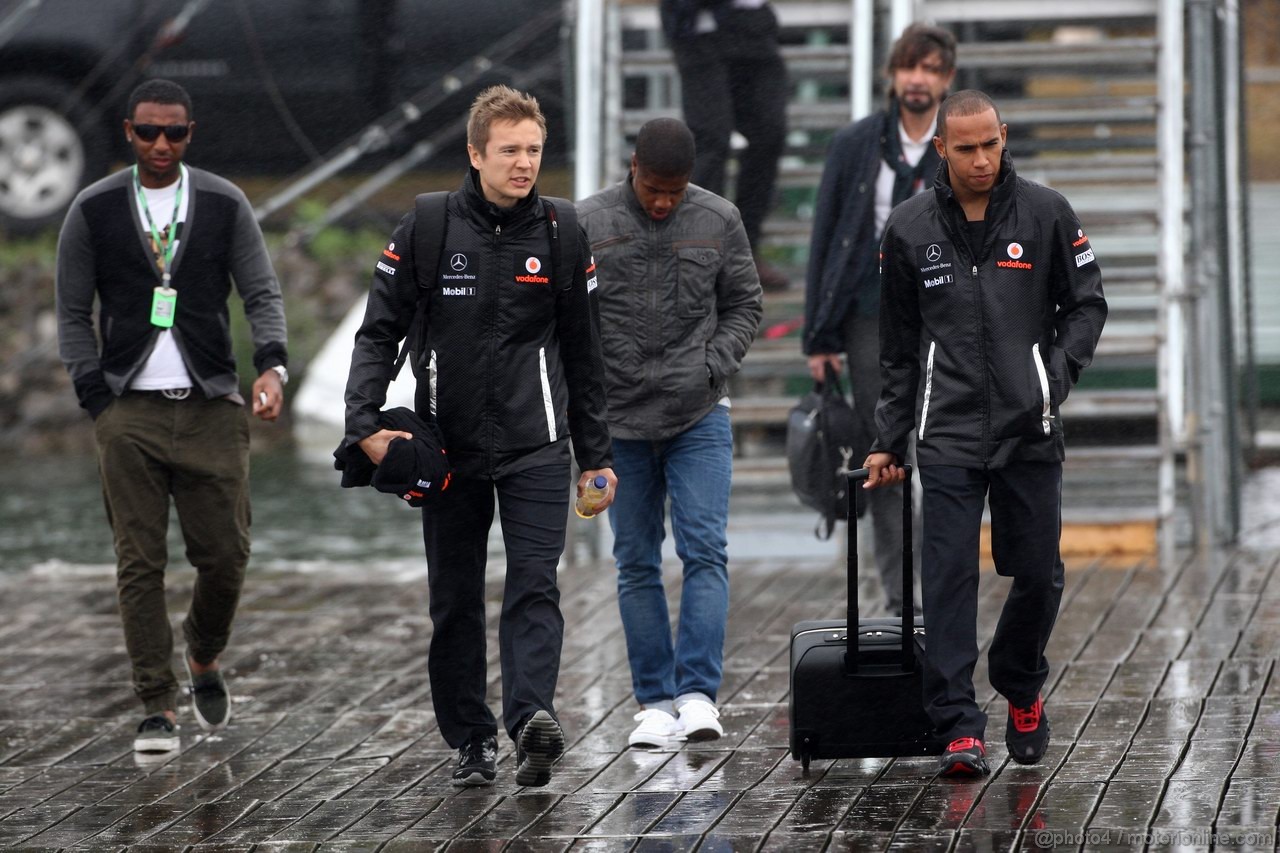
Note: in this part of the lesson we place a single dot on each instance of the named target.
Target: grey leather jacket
(680, 303)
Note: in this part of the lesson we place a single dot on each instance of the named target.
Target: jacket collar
(489, 213)
(632, 202)
(998, 205)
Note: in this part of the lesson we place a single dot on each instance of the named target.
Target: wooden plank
(1161, 690)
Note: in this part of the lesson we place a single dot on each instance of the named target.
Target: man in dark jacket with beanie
(510, 368)
(991, 305)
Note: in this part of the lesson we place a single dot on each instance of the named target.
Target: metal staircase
(1085, 88)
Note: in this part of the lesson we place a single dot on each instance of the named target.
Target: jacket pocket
(696, 287)
(610, 241)
(928, 390)
(1045, 399)
(548, 402)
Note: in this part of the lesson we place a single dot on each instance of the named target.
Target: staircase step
(1092, 55)
(802, 61)
(1125, 235)
(1084, 11)
(1127, 404)
(1099, 109)
(1048, 169)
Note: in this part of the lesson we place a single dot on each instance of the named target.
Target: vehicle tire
(50, 147)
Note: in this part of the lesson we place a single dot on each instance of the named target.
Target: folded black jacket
(405, 471)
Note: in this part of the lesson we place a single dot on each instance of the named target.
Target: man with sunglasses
(159, 246)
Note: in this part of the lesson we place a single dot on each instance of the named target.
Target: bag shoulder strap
(428, 243)
(562, 223)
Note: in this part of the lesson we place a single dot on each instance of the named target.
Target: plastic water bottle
(592, 494)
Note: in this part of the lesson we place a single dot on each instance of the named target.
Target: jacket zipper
(493, 330)
(928, 390)
(651, 321)
(982, 365)
(547, 403)
(1045, 417)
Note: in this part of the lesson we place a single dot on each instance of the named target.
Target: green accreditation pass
(164, 299)
(164, 303)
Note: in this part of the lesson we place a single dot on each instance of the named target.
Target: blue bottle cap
(601, 481)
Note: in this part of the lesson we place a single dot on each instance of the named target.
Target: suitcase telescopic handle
(908, 573)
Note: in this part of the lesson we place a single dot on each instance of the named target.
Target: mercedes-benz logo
(458, 262)
(933, 252)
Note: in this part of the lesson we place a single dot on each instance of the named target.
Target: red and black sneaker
(1027, 732)
(965, 757)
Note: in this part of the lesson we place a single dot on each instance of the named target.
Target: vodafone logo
(1015, 250)
(530, 271)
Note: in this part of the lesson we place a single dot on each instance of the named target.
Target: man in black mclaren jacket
(510, 369)
(991, 305)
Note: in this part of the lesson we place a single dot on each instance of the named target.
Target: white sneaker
(657, 730)
(700, 720)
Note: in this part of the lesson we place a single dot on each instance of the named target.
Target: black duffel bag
(820, 439)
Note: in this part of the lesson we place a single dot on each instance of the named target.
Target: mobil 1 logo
(936, 262)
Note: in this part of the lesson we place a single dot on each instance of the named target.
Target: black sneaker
(156, 734)
(540, 743)
(965, 757)
(1027, 732)
(477, 761)
(210, 699)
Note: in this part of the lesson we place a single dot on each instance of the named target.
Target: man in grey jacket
(680, 303)
(158, 246)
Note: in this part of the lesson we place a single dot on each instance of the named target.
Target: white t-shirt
(165, 367)
(912, 151)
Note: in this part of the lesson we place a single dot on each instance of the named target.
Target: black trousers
(732, 80)
(533, 507)
(1026, 522)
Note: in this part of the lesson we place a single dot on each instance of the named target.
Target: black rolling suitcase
(863, 704)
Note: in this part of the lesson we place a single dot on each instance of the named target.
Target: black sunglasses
(172, 132)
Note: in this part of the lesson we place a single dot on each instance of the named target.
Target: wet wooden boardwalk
(1165, 708)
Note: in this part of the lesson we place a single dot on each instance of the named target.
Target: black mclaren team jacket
(510, 365)
(980, 345)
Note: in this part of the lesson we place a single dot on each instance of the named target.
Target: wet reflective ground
(1165, 710)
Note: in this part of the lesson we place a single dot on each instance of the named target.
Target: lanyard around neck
(163, 250)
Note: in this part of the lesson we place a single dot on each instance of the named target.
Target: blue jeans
(693, 469)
